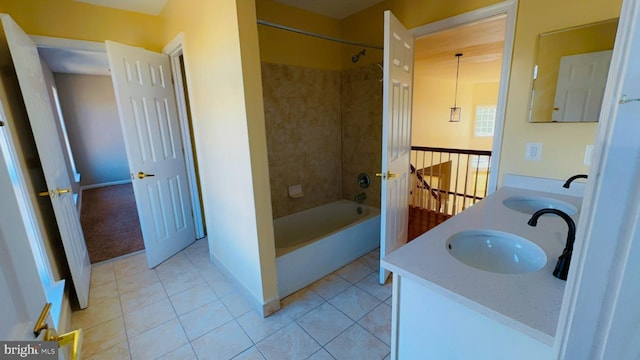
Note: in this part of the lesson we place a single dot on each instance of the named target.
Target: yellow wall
(563, 143)
(80, 21)
(432, 100)
(285, 47)
(223, 74)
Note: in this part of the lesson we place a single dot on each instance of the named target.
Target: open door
(43, 124)
(149, 119)
(396, 136)
(22, 291)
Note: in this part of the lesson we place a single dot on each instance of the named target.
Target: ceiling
(151, 7)
(338, 9)
(481, 44)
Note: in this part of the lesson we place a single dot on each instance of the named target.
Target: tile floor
(186, 309)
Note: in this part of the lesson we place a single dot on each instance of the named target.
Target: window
(485, 121)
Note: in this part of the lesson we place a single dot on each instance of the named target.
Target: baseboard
(93, 186)
(265, 309)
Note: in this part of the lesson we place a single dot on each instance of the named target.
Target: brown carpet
(110, 222)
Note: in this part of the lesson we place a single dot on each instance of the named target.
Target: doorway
(81, 72)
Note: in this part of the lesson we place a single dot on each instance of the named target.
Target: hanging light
(455, 109)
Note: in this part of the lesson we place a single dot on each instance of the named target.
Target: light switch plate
(533, 152)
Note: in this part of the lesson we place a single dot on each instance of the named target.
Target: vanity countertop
(528, 302)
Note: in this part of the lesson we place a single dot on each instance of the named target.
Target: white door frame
(508, 8)
(71, 44)
(174, 50)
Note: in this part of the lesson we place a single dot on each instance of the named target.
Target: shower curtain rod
(282, 27)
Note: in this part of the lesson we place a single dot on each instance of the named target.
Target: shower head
(356, 57)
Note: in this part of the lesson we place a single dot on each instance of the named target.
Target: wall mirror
(570, 73)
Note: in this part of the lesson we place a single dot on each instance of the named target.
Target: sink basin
(530, 204)
(496, 251)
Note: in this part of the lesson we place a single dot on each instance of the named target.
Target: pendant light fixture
(455, 109)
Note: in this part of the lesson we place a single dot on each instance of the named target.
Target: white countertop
(529, 302)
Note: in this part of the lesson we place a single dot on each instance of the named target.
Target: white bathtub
(315, 242)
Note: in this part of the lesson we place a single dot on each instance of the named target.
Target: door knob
(142, 175)
(63, 191)
(389, 175)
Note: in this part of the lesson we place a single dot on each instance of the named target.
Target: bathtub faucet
(360, 197)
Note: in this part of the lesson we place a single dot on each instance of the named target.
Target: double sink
(503, 252)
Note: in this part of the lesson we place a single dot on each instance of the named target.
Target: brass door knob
(63, 191)
(142, 175)
(389, 175)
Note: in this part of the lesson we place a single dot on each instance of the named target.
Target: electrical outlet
(533, 152)
(588, 154)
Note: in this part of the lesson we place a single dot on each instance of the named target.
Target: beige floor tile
(321, 354)
(324, 323)
(204, 319)
(148, 317)
(290, 342)
(372, 259)
(192, 298)
(236, 303)
(158, 341)
(300, 303)
(330, 286)
(357, 343)
(130, 265)
(136, 281)
(108, 291)
(103, 337)
(371, 285)
(182, 281)
(222, 343)
(258, 327)
(378, 323)
(119, 351)
(251, 354)
(175, 265)
(102, 273)
(354, 271)
(354, 302)
(96, 314)
(142, 297)
(219, 282)
(184, 352)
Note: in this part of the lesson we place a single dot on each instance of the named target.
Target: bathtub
(316, 242)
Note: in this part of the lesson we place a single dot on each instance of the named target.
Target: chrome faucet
(570, 180)
(562, 266)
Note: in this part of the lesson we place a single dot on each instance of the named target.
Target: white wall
(89, 108)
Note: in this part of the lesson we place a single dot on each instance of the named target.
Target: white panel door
(22, 294)
(580, 87)
(396, 136)
(149, 119)
(43, 124)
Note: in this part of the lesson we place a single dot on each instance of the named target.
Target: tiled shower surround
(323, 129)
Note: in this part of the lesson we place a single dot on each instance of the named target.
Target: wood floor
(422, 220)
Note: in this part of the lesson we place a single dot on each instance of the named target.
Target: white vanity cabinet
(445, 309)
(427, 324)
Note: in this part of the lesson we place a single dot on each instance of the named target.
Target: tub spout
(360, 197)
